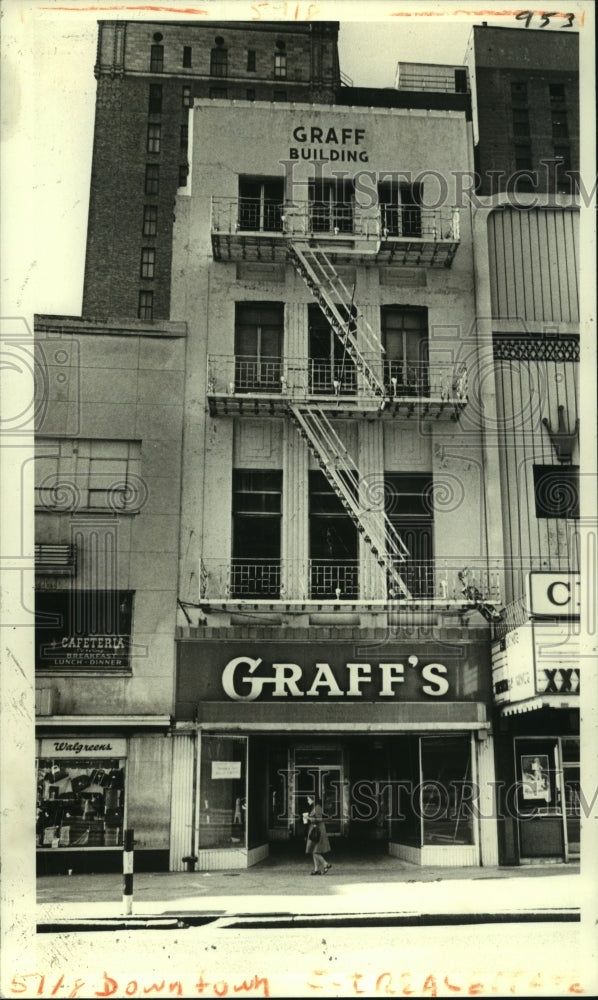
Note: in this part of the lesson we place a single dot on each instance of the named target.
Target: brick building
(525, 88)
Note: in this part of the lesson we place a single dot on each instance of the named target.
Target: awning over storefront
(532, 704)
(336, 718)
(104, 721)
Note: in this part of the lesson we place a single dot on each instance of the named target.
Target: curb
(280, 921)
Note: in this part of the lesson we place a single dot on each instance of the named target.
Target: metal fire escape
(359, 342)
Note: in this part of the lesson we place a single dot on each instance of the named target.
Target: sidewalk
(378, 887)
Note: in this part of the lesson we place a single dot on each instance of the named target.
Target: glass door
(319, 772)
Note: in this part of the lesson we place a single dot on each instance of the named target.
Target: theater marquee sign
(254, 671)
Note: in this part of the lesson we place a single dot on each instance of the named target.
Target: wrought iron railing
(295, 219)
(439, 582)
(296, 378)
(332, 580)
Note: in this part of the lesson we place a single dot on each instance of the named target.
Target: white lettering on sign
(240, 683)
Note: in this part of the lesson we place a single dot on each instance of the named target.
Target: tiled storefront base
(218, 860)
(453, 855)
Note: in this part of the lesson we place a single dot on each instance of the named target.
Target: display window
(446, 779)
(223, 792)
(80, 803)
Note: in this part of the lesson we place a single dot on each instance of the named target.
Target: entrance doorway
(318, 771)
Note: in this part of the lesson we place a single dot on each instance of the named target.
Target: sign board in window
(226, 769)
(83, 629)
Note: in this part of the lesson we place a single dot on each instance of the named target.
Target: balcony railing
(239, 225)
(331, 580)
(434, 583)
(300, 378)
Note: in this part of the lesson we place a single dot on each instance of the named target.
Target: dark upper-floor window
(257, 507)
(260, 203)
(152, 178)
(150, 220)
(154, 134)
(251, 63)
(518, 92)
(187, 100)
(146, 305)
(187, 51)
(157, 59)
(259, 330)
(219, 93)
(148, 262)
(155, 99)
(557, 93)
(184, 137)
(556, 491)
(280, 65)
(405, 341)
(219, 62)
(409, 507)
(520, 121)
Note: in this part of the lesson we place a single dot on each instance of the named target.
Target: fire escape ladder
(352, 329)
(343, 475)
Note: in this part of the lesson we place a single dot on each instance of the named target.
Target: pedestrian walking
(317, 843)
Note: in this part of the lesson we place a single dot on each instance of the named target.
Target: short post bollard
(128, 873)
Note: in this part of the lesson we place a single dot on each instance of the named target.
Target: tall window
(556, 491)
(260, 203)
(187, 51)
(331, 369)
(155, 99)
(257, 507)
(148, 262)
(154, 134)
(405, 340)
(186, 97)
(333, 545)
(520, 121)
(150, 220)
(331, 205)
(157, 59)
(258, 346)
(560, 127)
(518, 92)
(557, 94)
(219, 62)
(400, 208)
(146, 305)
(184, 137)
(183, 174)
(280, 65)
(410, 511)
(251, 60)
(152, 178)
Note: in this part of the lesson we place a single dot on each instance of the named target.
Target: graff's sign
(332, 143)
(241, 683)
(251, 671)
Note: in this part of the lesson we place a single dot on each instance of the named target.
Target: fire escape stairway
(352, 329)
(343, 475)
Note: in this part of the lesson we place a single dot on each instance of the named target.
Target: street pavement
(281, 887)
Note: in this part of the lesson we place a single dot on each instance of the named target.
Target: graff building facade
(333, 520)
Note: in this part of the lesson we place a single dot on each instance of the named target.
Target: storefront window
(223, 792)
(80, 803)
(445, 790)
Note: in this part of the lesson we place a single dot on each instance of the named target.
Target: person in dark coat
(317, 848)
